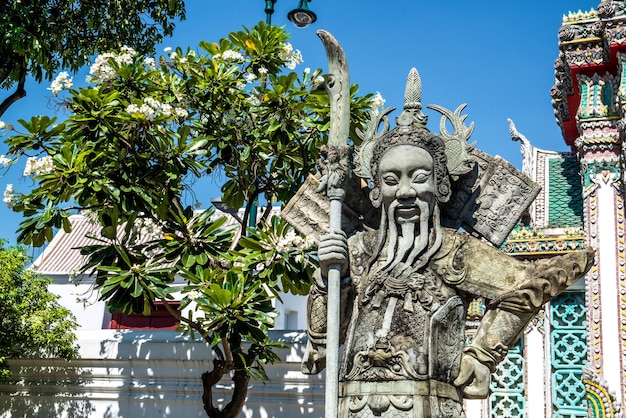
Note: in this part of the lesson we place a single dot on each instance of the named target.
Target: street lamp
(301, 16)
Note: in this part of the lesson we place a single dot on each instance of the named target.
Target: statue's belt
(400, 387)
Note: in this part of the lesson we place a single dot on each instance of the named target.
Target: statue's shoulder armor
(361, 246)
(449, 262)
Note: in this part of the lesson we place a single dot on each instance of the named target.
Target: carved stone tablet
(504, 194)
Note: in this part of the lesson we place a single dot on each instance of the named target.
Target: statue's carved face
(407, 181)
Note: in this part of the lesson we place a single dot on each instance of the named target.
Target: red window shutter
(159, 319)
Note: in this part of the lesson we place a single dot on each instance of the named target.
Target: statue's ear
(375, 197)
(443, 190)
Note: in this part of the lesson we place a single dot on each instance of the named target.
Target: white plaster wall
(91, 315)
(132, 374)
(536, 373)
(294, 306)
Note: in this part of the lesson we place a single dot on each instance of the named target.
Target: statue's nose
(405, 191)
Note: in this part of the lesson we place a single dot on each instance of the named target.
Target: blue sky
(495, 56)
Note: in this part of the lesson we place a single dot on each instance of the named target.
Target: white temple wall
(132, 374)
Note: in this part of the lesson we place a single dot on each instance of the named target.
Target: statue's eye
(390, 179)
(421, 176)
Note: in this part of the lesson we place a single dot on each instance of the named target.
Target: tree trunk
(238, 399)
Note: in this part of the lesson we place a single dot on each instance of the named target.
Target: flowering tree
(40, 37)
(127, 156)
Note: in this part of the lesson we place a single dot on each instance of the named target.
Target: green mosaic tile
(565, 205)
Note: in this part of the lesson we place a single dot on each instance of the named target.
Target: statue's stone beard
(410, 243)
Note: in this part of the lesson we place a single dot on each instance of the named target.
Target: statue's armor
(404, 342)
(403, 334)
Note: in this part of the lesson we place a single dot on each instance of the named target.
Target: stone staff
(336, 169)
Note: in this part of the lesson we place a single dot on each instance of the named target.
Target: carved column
(589, 99)
(600, 155)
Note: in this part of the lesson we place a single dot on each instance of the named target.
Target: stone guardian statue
(406, 283)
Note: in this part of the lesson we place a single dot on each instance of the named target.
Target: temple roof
(589, 43)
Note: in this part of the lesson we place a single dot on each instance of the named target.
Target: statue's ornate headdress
(450, 151)
(467, 179)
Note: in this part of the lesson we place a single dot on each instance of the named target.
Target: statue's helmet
(451, 154)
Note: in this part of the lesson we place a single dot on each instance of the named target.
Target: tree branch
(4, 76)
(18, 94)
(268, 210)
(218, 352)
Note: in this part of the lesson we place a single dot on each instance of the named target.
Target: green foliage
(32, 323)
(41, 37)
(128, 155)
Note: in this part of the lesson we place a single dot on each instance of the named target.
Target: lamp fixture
(302, 16)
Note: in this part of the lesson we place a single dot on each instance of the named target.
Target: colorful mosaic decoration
(529, 242)
(597, 96)
(568, 342)
(602, 403)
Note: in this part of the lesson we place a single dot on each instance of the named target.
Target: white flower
(167, 49)
(259, 267)
(132, 108)
(230, 55)
(253, 100)
(2, 125)
(166, 110)
(193, 295)
(124, 59)
(262, 70)
(250, 77)
(173, 55)
(147, 227)
(180, 112)
(377, 101)
(38, 167)
(151, 108)
(148, 111)
(101, 71)
(153, 103)
(4, 161)
(292, 57)
(307, 70)
(62, 81)
(183, 60)
(128, 50)
(9, 195)
(150, 62)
